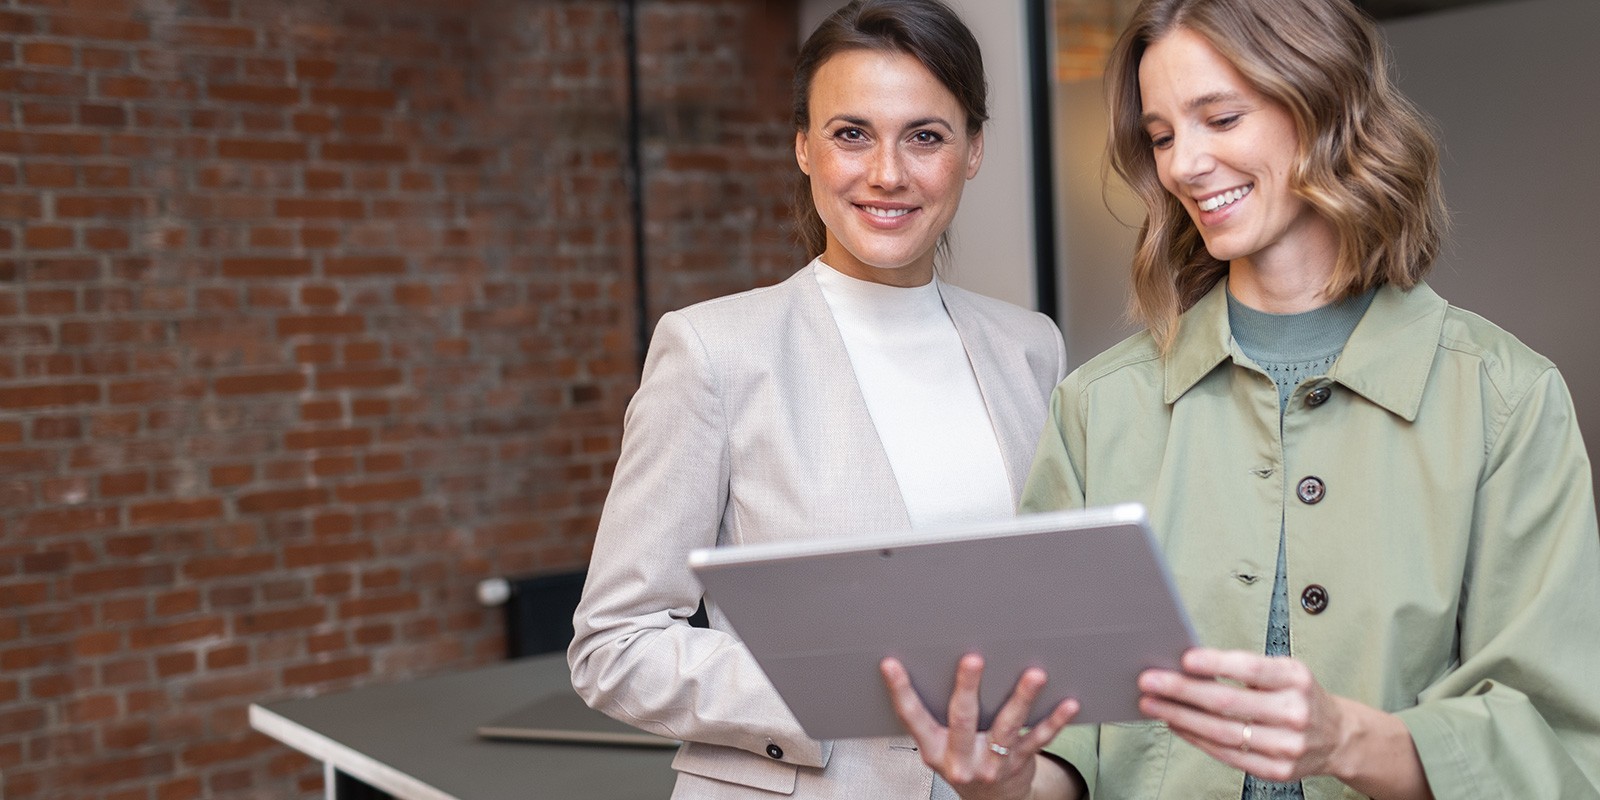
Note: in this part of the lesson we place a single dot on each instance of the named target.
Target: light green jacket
(1456, 540)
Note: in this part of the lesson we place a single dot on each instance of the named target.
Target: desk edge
(351, 762)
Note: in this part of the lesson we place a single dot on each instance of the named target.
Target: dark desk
(417, 740)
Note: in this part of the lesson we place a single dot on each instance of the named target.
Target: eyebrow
(1210, 98)
(861, 122)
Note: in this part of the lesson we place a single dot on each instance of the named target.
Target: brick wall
(314, 313)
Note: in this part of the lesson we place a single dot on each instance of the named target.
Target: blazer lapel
(852, 434)
(991, 361)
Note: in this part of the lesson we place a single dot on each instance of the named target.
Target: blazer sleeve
(634, 656)
(1519, 716)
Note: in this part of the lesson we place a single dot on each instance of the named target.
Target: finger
(1217, 699)
(1255, 762)
(1224, 733)
(913, 713)
(1048, 728)
(1251, 669)
(963, 713)
(1013, 714)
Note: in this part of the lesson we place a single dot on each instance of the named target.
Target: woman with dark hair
(1377, 506)
(861, 395)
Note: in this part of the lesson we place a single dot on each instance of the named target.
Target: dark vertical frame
(635, 173)
(1042, 139)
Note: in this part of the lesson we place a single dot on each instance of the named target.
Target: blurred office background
(318, 312)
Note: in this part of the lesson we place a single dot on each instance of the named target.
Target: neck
(1285, 279)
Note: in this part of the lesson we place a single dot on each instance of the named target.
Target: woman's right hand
(1002, 763)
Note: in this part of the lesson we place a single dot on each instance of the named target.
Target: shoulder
(1032, 327)
(1506, 365)
(1135, 359)
(738, 320)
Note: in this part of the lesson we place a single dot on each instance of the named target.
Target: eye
(1225, 121)
(850, 135)
(927, 137)
(1159, 141)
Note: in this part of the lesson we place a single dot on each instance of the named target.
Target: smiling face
(888, 155)
(1226, 152)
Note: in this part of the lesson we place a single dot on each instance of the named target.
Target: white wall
(993, 232)
(1515, 87)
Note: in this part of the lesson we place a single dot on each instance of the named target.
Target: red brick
(265, 267)
(49, 54)
(328, 380)
(352, 98)
(345, 437)
(106, 239)
(175, 511)
(14, 22)
(366, 152)
(102, 116)
(327, 671)
(256, 622)
(20, 397)
(102, 206)
(269, 383)
(48, 238)
(99, 27)
(214, 35)
(176, 632)
(262, 95)
(295, 208)
(366, 265)
(321, 325)
(321, 554)
(282, 500)
(209, 567)
(380, 492)
(262, 149)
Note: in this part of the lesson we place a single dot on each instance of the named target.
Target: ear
(801, 157)
(975, 155)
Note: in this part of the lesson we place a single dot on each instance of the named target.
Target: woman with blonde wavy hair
(1377, 507)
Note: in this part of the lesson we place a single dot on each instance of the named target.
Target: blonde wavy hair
(1368, 159)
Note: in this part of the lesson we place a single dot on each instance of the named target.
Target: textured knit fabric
(1291, 348)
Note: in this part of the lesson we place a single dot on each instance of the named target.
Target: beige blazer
(749, 426)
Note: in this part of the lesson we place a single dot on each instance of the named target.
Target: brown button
(1314, 599)
(1318, 396)
(1311, 490)
(774, 751)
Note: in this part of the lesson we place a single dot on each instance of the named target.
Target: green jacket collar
(1386, 360)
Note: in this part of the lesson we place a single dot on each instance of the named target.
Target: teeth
(1226, 198)
(887, 212)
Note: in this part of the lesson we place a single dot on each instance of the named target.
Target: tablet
(1083, 594)
(562, 716)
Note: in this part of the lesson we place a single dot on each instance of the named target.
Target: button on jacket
(1447, 558)
(749, 426)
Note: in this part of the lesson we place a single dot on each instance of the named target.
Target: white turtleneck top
(923, 398)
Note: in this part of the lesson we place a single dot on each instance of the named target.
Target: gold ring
(1244, 739)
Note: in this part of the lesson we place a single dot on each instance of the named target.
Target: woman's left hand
(1274, 721)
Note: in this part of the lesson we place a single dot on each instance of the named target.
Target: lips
(1224, 199)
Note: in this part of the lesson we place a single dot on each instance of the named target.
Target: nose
(1190, 157)
(886, 171)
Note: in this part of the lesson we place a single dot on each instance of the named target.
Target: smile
(885, 213)
(1227, 198)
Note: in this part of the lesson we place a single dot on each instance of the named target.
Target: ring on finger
(999, 749)
(1244, 738)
